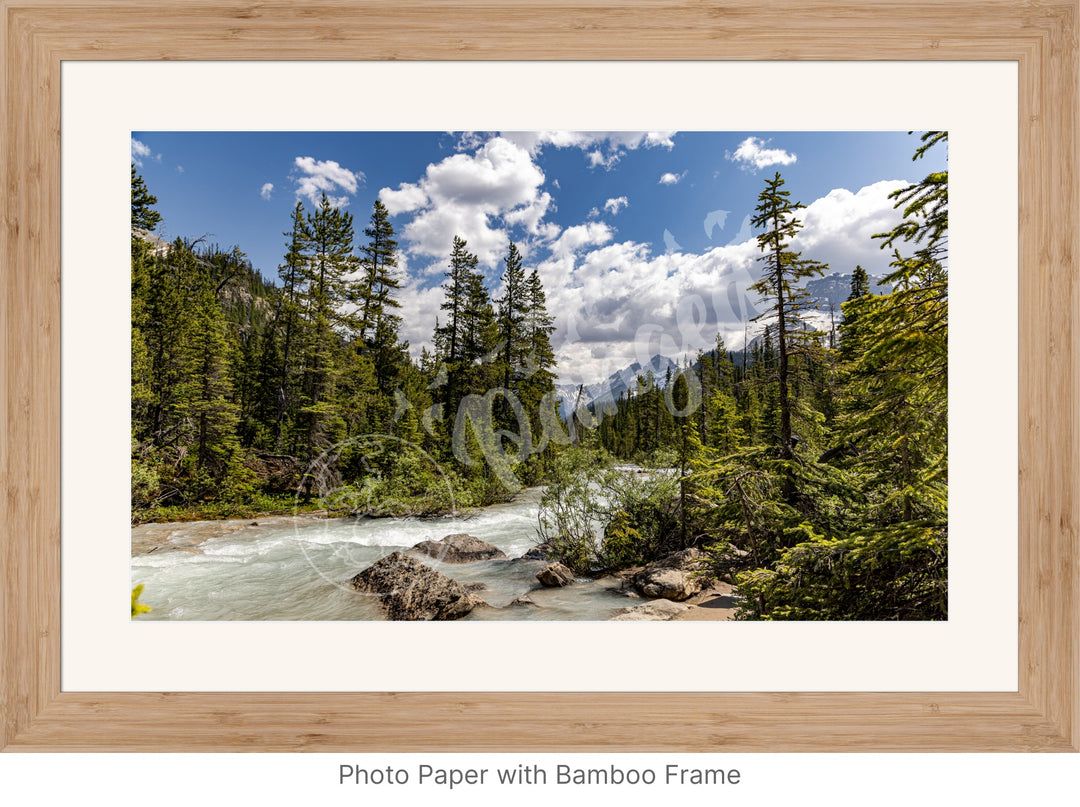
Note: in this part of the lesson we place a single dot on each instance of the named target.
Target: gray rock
(654, 611)
(555, 575)
(538, 552)
(523, 601)
(409, 590)
(671, 578)
(459, 548)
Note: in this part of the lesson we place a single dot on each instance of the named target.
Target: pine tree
(785, 300)
(450, 336)
(288, 320)
(687, 444)
(324, 273)
(539, 359)
(512, 313)
(378, 261)
(860, 284)
(480, 333)
(143, 214)
(851, 309)
(168, 335)
(901, 371)
(926, 212)
(374, 293)
(211, 408)
(141, 267)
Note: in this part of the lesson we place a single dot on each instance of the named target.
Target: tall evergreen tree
(375, 294)
(378, 282)
(539, 325)
(480, 335)
(901, 371)
(512, 313)
(288, 319)
(143, 214)
(450, 336)
(324, 273)
(786, 301)
(213, 412)
(851, 308)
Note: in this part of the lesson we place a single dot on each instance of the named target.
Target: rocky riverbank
(407, 589)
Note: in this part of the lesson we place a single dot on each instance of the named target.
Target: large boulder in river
(555, 575)
(672, 577)
(459, 548)
(411, 590)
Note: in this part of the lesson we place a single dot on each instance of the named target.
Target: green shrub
(596, 518)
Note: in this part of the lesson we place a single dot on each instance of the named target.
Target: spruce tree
(375, 295)
(379, 281)
(512, 313)
(211, 406)
(288, 321)
(539, 326)
(537, 388)
(143, 214)
(142, 259)
(450, 336)
(785, 300)
(851, 308)
(324, 272)
(480, 333)
(900, 375)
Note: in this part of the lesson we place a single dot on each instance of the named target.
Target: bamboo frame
(1041, 36)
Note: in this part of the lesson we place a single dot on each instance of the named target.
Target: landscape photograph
(539, 376)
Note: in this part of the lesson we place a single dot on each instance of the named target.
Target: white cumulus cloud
(670, 178)
(405, 199)
(315, 177)
(140, 151)
(838, 228)
(752, 155)
(266, 190)
(616, 204)
(476, 196)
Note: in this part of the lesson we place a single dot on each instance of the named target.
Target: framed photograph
(217, 396)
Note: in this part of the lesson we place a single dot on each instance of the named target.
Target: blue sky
(641, 238)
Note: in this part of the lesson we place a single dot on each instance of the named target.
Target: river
(295, 568)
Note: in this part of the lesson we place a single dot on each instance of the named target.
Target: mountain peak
(608, 391)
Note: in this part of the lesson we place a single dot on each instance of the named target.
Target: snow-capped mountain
(835, 289)
(614, 386)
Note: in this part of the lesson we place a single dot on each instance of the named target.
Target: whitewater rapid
(295, 568)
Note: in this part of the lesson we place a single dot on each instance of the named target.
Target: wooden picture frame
(1041, 37)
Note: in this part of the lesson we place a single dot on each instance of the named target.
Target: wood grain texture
(1041, 36)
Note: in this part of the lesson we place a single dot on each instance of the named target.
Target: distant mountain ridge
(835, 288)
(614, 386)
